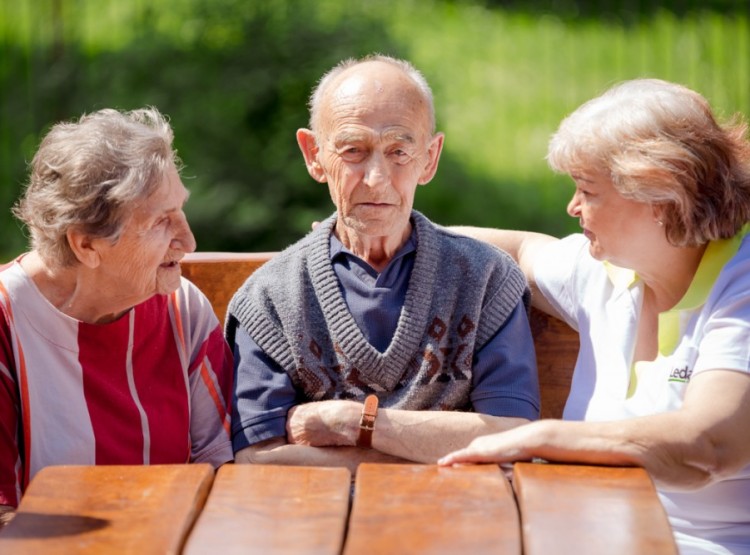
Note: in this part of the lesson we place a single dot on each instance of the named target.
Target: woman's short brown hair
(661, 144)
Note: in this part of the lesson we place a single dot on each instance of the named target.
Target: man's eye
(352, 154)
(401, 156)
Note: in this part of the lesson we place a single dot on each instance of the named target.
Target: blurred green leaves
(234, 77)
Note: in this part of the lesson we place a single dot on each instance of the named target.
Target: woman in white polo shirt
(658, 286)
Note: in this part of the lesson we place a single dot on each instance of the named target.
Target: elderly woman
(658, 286)
(107, 356)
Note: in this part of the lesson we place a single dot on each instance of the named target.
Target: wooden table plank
(581, 509)
(108, 509)
(267, 509)
(416, 509)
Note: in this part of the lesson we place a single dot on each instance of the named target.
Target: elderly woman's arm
(524, 247)
(689, 448)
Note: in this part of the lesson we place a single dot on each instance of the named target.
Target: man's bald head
(372, 71)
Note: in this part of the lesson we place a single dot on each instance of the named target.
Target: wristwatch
(367, 422)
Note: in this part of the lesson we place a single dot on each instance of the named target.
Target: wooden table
(394, 509)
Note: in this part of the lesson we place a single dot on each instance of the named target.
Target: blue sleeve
(504, 378)
(263, 394)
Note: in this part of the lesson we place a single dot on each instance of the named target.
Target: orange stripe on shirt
(214, 395)
(178, 323)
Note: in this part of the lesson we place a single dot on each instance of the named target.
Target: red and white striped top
(153, 387)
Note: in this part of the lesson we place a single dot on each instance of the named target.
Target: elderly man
(377, 304)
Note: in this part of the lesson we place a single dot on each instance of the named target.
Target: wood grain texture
(108, 509)
(421, 509)
(255, 509)
(220, 274)
(585, 510)
(556, 346)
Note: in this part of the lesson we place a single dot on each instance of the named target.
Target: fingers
(462, 456)
(289, 431)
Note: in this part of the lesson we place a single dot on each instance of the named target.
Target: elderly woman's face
(144, 261)
(619, 229)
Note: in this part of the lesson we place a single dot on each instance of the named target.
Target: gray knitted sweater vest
(460, 293)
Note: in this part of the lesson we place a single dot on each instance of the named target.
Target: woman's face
(618, 229)
(145, 260)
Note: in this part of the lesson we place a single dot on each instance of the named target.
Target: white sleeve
(559, 273)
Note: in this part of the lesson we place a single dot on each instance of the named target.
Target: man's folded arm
(278, 451)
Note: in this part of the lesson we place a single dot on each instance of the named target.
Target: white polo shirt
(708, 329)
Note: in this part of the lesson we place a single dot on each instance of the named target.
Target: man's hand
(324, 423)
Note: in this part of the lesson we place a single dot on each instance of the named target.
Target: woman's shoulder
(193, 305)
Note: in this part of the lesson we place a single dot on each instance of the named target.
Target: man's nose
(376, 171)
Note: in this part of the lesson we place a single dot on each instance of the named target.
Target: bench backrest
(219, 275)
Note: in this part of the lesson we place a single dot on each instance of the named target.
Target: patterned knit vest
(460, 293)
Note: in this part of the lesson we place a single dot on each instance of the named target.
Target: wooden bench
(219, 275)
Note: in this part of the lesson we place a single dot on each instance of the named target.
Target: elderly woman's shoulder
(190, 294)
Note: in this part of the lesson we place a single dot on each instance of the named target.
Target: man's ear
(433, 156)
(83, 247)
(309, 147)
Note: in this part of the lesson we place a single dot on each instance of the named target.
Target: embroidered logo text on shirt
(680, 374)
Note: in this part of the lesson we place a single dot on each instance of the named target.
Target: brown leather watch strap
(367, 422)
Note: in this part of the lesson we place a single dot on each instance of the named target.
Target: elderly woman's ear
(83, 247)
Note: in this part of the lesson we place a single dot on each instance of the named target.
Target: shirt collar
(714, 259)
(716, 256)
(621, 278)
(337, 248)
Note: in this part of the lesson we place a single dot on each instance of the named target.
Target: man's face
(374, 148)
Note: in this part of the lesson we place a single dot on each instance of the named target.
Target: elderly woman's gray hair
(88, 175)
(660, 144)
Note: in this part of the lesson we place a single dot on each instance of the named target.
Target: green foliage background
(234, 76)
